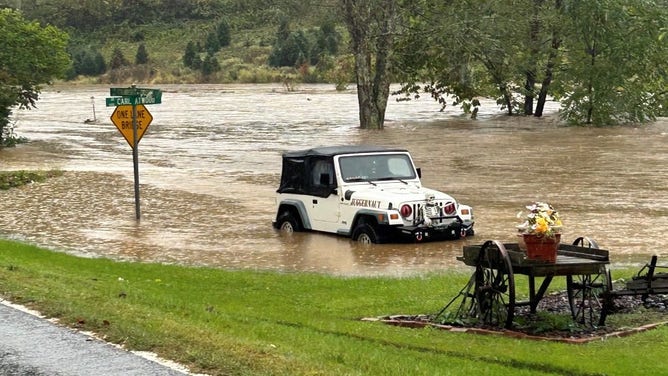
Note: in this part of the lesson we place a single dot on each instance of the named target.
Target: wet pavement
(33, 346)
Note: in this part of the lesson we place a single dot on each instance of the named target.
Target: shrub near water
(11, 179)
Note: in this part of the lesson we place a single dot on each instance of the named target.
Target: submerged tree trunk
(549, 68)
(547, 80)
(371, 26)
(534, 51)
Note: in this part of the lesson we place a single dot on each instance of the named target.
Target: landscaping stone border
(407, 321)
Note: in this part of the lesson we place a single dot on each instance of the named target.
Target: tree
(328, 38)
(82, 15)
(88, 62)
(30, 55)
(603, 60)
(212, 44)
(210, 65)
(291, 50)
(617, 62)
(224, 34)
(118, 60)
(190, 55)
(142, 55)
(372, 27)
(460, 51)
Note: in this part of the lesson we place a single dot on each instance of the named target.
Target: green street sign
(149, 96)
(138, 95)
(123, 91)
(119, 101)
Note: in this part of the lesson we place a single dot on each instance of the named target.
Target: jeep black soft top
(298, 165)
(330, 151)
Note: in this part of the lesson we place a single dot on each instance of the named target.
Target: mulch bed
(534, 326)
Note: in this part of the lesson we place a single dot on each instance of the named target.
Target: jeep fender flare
(375, 214)
(300, 209)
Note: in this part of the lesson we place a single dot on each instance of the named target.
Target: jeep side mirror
(419, 172)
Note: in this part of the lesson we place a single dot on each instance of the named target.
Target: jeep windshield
(370, 167)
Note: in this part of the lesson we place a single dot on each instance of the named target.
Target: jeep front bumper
(453, 230)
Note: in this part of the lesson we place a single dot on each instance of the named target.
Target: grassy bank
(13, 179)
(248, 322)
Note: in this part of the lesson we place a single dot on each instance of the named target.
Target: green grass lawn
(242, 322)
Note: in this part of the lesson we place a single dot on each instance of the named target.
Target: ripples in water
(210, 163)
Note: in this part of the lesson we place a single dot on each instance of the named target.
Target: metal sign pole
(135, 158)
(122, 99)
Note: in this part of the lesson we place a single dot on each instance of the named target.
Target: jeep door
(324, 205)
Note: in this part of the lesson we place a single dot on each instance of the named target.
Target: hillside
(106, 36)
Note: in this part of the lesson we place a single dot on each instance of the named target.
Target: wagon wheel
(494, 288)
(587, 292)
(464, 303)
(489, 295)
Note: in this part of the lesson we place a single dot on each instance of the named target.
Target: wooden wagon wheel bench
(490, 296)
(488, 302)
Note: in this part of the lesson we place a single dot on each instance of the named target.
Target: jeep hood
(396, 193)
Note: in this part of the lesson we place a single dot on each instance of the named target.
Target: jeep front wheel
(288, 223)
(365, 234)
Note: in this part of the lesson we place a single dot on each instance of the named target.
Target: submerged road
(32, 346)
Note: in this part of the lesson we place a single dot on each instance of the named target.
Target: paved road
(32, 346)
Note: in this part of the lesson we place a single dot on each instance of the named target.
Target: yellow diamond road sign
(122, 119)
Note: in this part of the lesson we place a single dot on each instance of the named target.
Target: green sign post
(133, 96)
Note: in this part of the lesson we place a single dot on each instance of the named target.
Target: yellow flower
(541, 225)
(542, 219)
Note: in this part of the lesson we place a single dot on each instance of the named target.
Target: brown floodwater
(210, 162)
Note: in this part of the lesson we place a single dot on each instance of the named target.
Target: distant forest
(195, 41)
(604, 61)
(92, 15)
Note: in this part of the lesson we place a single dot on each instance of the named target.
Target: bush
(12, 179)
(142, 55)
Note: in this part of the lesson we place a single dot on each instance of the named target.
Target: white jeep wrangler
(371, 194)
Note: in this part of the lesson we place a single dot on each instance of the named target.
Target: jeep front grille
(439, 218)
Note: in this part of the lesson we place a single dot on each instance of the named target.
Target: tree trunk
(528, 88)
(547, 80)
(549, 69)
(371, 27)
(507, 98)
(534, 50)
(590, 85)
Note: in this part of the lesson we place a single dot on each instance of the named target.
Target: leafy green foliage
(142, 55)
(190, 56)
(210, 65)
(118, 60)
(87, 62)
(617, 63)
(212, 44)
(328, 38)
(304, 46)
(7, 136)
(604, 60)
(13, 179)
(224, 33)
(31, 55)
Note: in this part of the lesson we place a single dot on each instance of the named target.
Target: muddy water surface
(210, 162)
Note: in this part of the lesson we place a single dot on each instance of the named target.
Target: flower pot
(542, 248)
